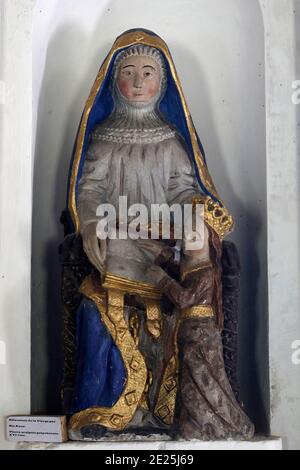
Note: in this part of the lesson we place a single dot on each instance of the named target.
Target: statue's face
(139, 78)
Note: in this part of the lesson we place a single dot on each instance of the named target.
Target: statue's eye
(147, 74)
(128, 73)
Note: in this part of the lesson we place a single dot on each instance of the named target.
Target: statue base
(124, 437)
(152, 444)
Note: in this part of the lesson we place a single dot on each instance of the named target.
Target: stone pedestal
(259, 443)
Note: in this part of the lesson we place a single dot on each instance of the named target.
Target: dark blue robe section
(101, 374)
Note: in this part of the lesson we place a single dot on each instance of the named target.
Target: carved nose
(138, 83)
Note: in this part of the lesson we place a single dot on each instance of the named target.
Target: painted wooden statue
(143, 317)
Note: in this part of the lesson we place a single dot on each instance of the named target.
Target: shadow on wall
(49, 201)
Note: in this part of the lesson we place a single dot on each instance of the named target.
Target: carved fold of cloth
(206, 406)
(120, 347)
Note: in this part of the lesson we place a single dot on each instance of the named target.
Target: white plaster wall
(282, 24)
(15, 207)
(218, 48)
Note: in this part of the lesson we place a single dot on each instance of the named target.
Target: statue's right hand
(95, 249)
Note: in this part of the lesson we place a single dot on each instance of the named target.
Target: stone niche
(222, 70)
(55, 50)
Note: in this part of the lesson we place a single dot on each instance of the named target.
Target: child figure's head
(196, 247)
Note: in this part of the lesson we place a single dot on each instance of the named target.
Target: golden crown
(216, 216)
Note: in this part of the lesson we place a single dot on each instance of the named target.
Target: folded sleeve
(182, 185)
(93, 183)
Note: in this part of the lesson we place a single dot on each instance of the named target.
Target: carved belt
(198, 311)
(150, 295)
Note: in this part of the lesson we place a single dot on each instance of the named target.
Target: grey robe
(148, 173)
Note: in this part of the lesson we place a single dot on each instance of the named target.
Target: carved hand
(151, 248)
(95, 249)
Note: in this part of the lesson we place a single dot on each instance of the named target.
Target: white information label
(36, 428)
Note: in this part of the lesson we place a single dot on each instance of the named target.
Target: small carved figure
(206, 406)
